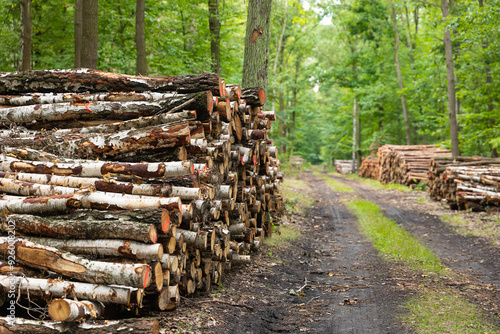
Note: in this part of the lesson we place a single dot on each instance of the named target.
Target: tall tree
(89, 34)
(78, 32)
(257, 40)
(400, 77)
(25, 40)
(214, 24)
(450, 74)
(140, 39)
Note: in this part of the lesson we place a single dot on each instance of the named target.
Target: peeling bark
(87, 80)
(49, 258)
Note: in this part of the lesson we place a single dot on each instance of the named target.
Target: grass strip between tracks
(436, 308)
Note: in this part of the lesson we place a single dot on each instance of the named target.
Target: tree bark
(136, 326)
(140, 38)
(78, 32)
(82, 229)
(106, 110)
(257, 40)
(400, 78)
(49, 258)
(93, 81)
(88, 56)
(214, 24)
(104, 247)
(49, 288)
(25, 41)
(69, 310)
(105, 185)
(255, 96)
(450, 74)
(100, 168)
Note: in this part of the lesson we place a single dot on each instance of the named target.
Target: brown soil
(344, 286)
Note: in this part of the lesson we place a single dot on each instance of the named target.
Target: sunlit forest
(384, 63)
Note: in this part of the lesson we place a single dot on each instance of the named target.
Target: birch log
(107, 185)
(49, 258)
(99, 168)
(82, 229)
(68, 310)
(104, 247)
(50, 288)
(49, 98)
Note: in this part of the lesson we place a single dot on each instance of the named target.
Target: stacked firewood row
(344, 166)
(129, 191)
(369, 168)
(465, 182)
(407, 164)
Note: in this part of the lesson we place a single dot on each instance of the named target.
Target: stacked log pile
(466, 182)
(369, 168)
(131, 191)
(407, 164)
(344, 166)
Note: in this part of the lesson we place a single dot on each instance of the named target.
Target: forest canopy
(384, 62)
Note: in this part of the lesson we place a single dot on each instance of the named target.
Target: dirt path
(344, 285)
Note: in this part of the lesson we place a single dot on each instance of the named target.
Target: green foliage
(392, 240)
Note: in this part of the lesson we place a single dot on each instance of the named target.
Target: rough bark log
(82, 229)
(50, 288)
(152, 139)
(86, 80)
(49, 258)
(254, 96)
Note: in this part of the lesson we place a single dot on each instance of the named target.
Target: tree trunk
(214, 24)
(43, 288)
(140, 39)
(452, 112)
(93, 81)
(136, 326)
(25, 41)
(48, 258)
(88, 56)
(78, 32)
(257, 39)
(106, 110)
(100, 168)
(400, 78)
(68, 310)
(105, 185)
(254, 96)
(105, 247)
(83, 229)
(87, 200)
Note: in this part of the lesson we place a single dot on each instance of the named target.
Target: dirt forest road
(332, 279)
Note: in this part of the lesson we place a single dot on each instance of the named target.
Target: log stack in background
(407, 164)
(369, 167)
(130, 191)
(344, 166)
(466, 182)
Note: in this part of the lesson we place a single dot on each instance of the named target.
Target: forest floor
(332, 278)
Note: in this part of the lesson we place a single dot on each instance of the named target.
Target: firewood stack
(407, 164)
(131, 191)
(343, 166)
(465, 182)
(369, 168)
